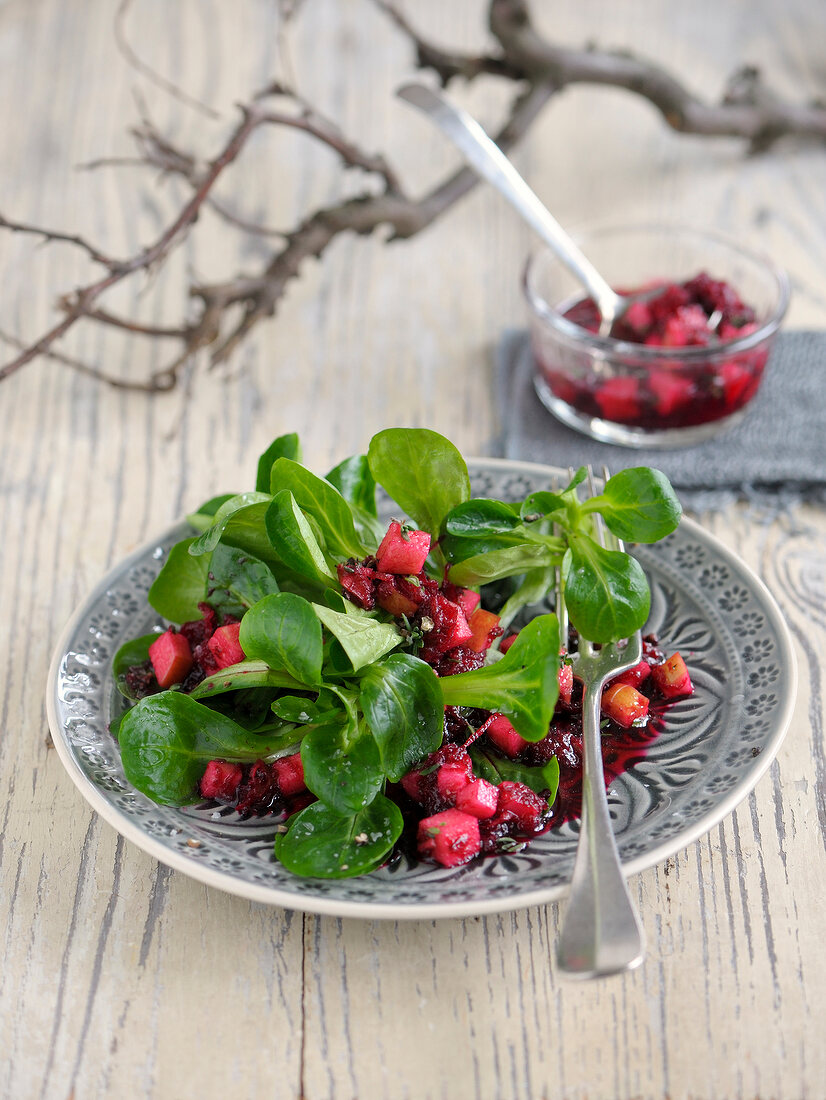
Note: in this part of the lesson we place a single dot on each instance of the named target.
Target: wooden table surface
(121, 978)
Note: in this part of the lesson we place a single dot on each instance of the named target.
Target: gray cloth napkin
(777, 451)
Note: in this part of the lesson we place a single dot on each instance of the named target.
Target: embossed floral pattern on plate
(714, 748)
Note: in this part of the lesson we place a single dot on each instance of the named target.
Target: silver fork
(601, 931)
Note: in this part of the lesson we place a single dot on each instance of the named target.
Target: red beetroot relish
(255, 790)
(677, 393)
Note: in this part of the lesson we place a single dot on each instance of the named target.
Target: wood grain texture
(121, 978)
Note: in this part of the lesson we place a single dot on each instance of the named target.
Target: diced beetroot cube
(566, 682)
(672, 297)
(171, 658)
(672, 678)
(450, 779)
(619, 399)
(221, 780)
(711, 293)
(521, 805)
(634, 676)
(403, 552)
(506, 643)
(390, 599)
(671, 391)
(258, 794)
(478, 798)
(450, 838)
(199, 631)
(624, 704)
(505, 737)
(289, 774)
(357, 580)
(225, 647)
(484, 627)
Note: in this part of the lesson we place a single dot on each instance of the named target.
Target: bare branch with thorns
(226, 312)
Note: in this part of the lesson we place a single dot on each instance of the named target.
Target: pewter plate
(714, 747)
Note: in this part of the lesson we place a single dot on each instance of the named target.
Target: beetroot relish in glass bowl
(678, 368)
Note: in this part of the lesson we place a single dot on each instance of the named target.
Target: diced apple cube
(289, 774)
(740, 381)
(225, 647)
(171, 658)
(619, 399)
(415, 785)
(390, 599)
(638, 317)
(634, 676)
(687, 325)
(624, 704)
(672, 678)
(450, 837)
(450, 779)
(402, 551)
(520, 804)
(454, 629)
(479, 798)
(505, 737)
(221, 780)
(566, 682)
(482, 626)
(468, 600)
(672, 391)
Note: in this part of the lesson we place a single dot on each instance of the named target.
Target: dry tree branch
(362, 215)
(749, 109)
(65, 238)
(159, 380)
(226, 312)
(80, 302)
(158, 152)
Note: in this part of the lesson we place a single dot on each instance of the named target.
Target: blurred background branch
(218, 315)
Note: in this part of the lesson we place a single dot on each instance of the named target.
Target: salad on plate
(385, 689)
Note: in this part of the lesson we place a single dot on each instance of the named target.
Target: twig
(748, 109)
(227, 311)
(80, 303)
(361, 215)
(67, 238)
(158, 382)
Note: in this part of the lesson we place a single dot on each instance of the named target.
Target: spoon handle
(486, 158)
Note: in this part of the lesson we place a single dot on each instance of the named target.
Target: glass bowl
(635, 394)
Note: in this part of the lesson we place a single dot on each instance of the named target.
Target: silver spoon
(486, 158)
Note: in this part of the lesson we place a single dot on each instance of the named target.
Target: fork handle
(601, 932)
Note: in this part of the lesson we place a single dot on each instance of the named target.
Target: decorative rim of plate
(501, 902)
